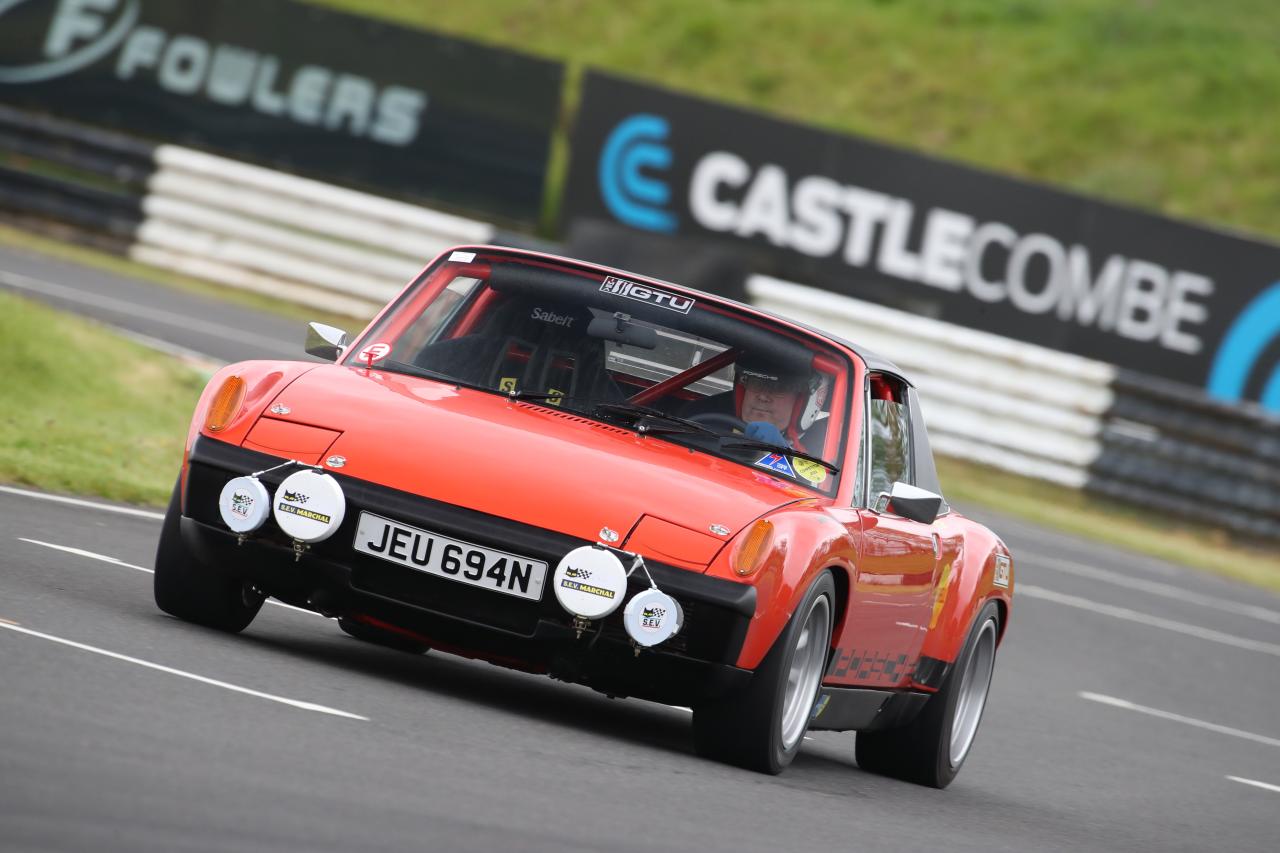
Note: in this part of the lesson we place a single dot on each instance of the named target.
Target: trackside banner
(335, 96)
(956, 243)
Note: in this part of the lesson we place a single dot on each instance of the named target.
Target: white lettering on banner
(1036, 273)
(187, 65)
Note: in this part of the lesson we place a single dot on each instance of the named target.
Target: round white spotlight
(652, 617)
(244, 504)
(590, 582)
(309, 506)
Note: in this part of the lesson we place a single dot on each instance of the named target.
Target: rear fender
(969, 584)
(805, 541)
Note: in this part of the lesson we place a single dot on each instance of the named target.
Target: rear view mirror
(911, 502)
(327, 342)
(619, 328)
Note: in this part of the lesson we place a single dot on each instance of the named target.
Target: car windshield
(676, 366)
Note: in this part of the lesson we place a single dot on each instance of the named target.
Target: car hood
(530, 462)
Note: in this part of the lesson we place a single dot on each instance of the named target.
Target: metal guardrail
(1023, 408)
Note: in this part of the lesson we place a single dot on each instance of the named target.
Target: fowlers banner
(956, 243)
(335, 96)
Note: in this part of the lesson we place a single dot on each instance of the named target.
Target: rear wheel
(932, 748)
(762, 726)
(186, 588)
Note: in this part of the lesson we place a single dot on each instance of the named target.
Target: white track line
(156, 315)
(1162, 589)
(122, 510)
(80, 552)
(1266, 786)
(1147, 619)
(1177, 718)
(294, 703)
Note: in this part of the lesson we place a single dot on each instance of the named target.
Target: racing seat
(528, 345)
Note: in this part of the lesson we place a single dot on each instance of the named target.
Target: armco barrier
(1024, 408)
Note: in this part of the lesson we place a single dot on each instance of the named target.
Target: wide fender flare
(264, 380)
(806, 541)
(965, 586)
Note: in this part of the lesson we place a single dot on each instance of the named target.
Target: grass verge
(83, 410)
(1110, 522)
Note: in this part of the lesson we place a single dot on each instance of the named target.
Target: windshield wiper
(638, 412)
(756, 444)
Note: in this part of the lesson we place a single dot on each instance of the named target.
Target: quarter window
(890, 428)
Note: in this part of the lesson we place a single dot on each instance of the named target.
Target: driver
(779, 406)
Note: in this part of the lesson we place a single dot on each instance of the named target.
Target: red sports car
(616, 481)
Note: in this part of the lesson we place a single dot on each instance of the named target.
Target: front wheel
(762, 726)
(186, 588)
(931, 749)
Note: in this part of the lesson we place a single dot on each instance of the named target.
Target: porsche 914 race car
(616, 481)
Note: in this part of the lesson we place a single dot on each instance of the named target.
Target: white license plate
(450, 558)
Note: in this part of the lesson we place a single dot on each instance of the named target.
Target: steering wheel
(721, 420)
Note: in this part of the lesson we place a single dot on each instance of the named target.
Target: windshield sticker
(374, 352)
(507, 384)
(643, 293)
(776, 462)
(809, 470)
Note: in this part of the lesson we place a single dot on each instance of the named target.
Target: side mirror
(910, 502)
(619, 328)
(326, 342)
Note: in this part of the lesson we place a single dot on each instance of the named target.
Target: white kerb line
(235, 688)
(1147, 619)
(1266, 786)
(80, 552)
(1177, 718)
(62, 499)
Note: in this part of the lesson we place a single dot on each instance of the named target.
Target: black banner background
(1239, 269)
(480, 142)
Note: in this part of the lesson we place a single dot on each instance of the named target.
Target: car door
(893, 592)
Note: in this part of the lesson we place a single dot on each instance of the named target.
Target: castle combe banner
(955, 243)
(335, 96)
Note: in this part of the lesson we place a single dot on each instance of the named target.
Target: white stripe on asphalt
(1162, 589)
(1266, 786)
(1177, 718)
(122, 510)
(294, 703)
(92, 556)
(133, 309)
(80, 552)
(1147, 619)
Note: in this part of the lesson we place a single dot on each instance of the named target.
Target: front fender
(806, 540)
(264, 380)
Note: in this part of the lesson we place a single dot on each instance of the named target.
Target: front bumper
(538, 636)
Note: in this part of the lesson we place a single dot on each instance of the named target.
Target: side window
(889, 424)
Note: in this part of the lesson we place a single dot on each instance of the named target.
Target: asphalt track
(1136, 706)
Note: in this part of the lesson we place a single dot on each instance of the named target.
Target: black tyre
(933, 747)
(379, 637)
(186, 588)
(762, 726)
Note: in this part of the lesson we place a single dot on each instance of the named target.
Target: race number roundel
(309, 506)
(373, 353)
(652, 617)
(244, 504)
(590, 582)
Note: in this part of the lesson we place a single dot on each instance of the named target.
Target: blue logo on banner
(634, 197)
(776, 462)
(1249, 336)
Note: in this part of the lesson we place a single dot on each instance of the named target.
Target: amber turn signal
(751, 552)
(225, 404)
